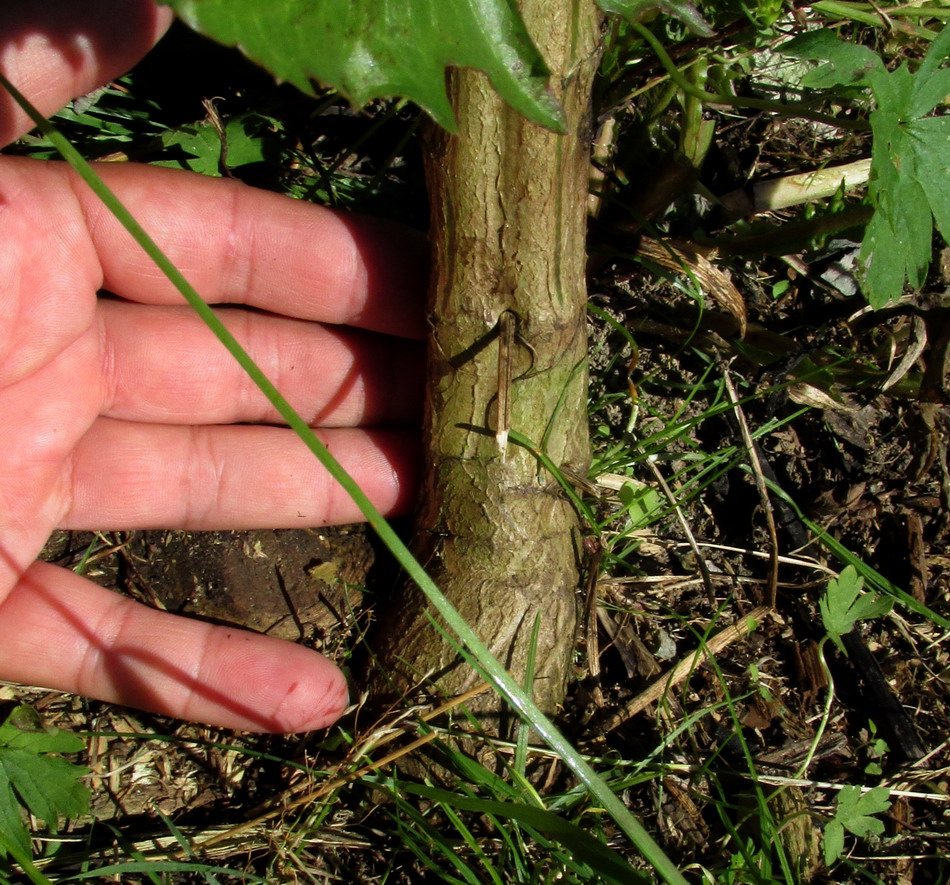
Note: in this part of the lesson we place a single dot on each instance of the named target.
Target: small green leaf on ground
(844, 603)
(644, 504)
(46, 785)
(854, 814)
(370, 49)
(248, 138)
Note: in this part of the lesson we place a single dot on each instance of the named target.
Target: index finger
(239, 245)
(58, 49)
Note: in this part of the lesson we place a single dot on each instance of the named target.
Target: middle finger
(162, 364)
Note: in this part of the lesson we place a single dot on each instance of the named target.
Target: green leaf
(931, 85)
(200, 145)
(49, 787)
(249, 139)
(643, 503)
(370, 49)
(854, 814)
(848, 64)
(908, 186)
(856, 806)
(930, 141)
(893, 90)
(884, 268)
(13, 830)
(640, 10)
(24, 730)
(844, 604)
(832, 842)
(898, 241)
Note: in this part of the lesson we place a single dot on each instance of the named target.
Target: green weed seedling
(909, 186)
(35, 778)
(844, 604)
(854, 813)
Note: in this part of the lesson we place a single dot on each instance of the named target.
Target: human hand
(126, 412)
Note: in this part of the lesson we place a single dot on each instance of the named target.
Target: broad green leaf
(893, 90)
(643, 503)
(832, 842)
(897, 241)
(249, 137)
(24, 730)
(884, 269)
(930, 140)
(908, 186)
(855, 808)
(928, 94)
(47, 786)
(931, 85)
(912, 222)
(13, 830)
(639, 10)
(843, 604)
(848, 64)
(370, 49)
(853, 813)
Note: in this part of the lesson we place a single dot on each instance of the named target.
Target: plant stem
(762, 104)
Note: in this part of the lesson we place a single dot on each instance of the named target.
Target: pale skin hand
(121, 413)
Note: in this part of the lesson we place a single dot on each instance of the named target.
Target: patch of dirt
(296, 584)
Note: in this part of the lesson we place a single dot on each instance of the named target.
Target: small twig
(591, 604)
(506, 340)
(682, 670)
(760, 487)
(700, 559)
(214, 118)
(799, 562)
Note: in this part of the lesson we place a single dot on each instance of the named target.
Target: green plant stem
(761, 104)
(792, 236)
(508, 687)
(825, 714)
(875, 17)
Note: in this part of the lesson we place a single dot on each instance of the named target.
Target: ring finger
(162, 364)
